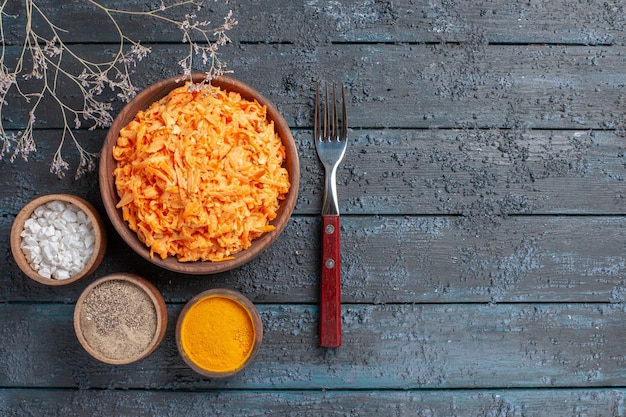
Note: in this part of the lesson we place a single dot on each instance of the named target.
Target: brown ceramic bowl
(120, 318)
(215, 329)
(99, 235)
(111, 198)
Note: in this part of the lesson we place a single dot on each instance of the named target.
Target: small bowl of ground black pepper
(120, 319)
(219, 333)
(58, 239)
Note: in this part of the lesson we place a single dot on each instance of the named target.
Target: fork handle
(330, 304)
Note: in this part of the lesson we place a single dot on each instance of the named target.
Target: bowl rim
(100, 235)
(252, 311)
(157, 301)
(109, 193)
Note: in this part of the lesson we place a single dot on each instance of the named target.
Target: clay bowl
(120, 318)
(110, 197)
(99, 235)
(214, 308)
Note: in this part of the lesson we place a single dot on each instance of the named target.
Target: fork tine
(344, 117)
(334, 115)
(316, 115)
(326, 115)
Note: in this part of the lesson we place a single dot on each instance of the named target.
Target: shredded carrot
(200, 174)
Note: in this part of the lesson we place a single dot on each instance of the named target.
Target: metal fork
(330, 142)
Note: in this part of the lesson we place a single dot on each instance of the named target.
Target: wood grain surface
(482, 201)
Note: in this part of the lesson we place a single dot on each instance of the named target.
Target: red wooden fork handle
(330, 303)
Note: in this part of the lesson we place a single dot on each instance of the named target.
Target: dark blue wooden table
(483, 201)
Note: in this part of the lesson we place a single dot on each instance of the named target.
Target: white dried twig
(41, 67)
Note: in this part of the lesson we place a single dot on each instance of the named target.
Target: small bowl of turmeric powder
(219, 333)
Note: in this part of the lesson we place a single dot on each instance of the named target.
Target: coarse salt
(58, 239)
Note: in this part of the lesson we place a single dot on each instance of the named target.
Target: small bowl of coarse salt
(57, 239)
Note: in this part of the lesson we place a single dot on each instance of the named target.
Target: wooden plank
(479, 403)
(467, 172)
(389, 259)
(446, 86)
(393, 346)
(313, 23)
(410, 86)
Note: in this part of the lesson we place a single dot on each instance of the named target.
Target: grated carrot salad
(199, 174)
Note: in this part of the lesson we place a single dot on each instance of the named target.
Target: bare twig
(47, 57)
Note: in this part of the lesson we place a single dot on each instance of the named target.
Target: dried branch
(42, 64)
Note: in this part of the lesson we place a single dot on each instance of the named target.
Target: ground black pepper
(118, 319)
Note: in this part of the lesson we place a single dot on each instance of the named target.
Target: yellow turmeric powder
(217, 334)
